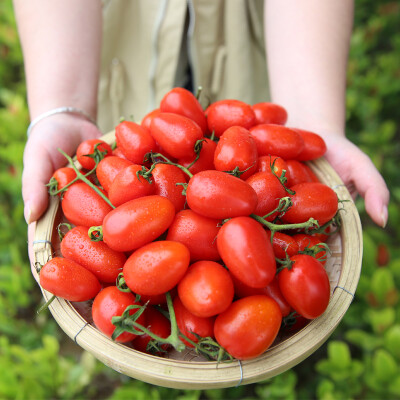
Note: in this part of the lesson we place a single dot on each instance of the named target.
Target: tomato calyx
(197, 149)
(282, 179)
(316, 249)
(97, 154)
(96, 233)
(61, 234)
(160, 158)
(237, 172)
(121, 284)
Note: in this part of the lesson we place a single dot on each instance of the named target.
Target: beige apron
(141, 55)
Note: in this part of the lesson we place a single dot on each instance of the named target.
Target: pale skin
(308, 80)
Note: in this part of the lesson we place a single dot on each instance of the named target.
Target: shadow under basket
(187, 370)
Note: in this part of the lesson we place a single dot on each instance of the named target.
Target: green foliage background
(361, 359)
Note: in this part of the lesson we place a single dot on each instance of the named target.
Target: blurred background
(362, 357)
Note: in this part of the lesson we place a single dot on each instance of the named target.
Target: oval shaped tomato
(197, 233)
(134, 141)
(236, 149)
(159, 325)
(190, 325)
(109, 303)
(62, 176)
(205, 160)
(223, 114)
(305, 286)
(87, 147)
(146, 121)
(312, 200)
(248, 327)
(314, 145)
(128, 185)
(299, 172)
(218, 195)
(283, 244)
(67, 279)
(277, 140)
(269, 191)
(81, 205)
(270, 113)
(274, 164)
(206, 289)
(306, 242)
(156, 267)
(246, 250)
(137, 222)
(183, 102)
(109, 168)
(176, 134)
(166, 183)
(97, 257)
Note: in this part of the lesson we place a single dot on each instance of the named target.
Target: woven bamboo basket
(188, 370)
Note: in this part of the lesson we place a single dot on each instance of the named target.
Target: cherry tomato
(108, 169)
(158, 325)
(87, 147)
(218, 195)
(176, 134)
(128, 185)
(205, 160)
(183, 102)
(206, 289)
(270, 113)
(306, 242)
(137, 222)
(166, 183)
(63, 176)
(248, 327)
(314, 145)
(273, 163)
(299, 172)
(305, 286)
(283, 244)
(97, 257)
(223, 114)
(146, 121)
(117, 152)
(272, 290)
(197, 233)
(157, 267)
(236, 149)
(109, 303)
(312, 200)
(277, 140)
(246, 250)
(134, 141)
(69, 280)
(81, 205)
(190, 325)
(269, 191)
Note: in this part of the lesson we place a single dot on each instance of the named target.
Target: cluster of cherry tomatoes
(199, 229)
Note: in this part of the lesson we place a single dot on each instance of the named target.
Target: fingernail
(384, 216)
(27, 212)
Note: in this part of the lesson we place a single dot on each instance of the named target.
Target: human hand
(360, 176)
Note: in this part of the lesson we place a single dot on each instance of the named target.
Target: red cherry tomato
(183, 102)
(205, 160)
(306, 242)
(109, 168)
(314, 145)
(197, 233)
(299, 172)
(305, 286)
(156, 267)
(246, 250)
(158, 325)
(206, 289)
(128, 185)
(190, 325)
(176, 134)
(236, 149)
(69, 280)
(63, 176)
(270, 113)
(137, 222)
(248, 327)
(269, 191)
(109, 303)
(87, 147)
(134, 141)
(277, 140)
(223, 114)
(166, 183)
(146, 121)
(81, 205)
(218, 195)
(273, 163)
(312, 200)
(97, 257)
